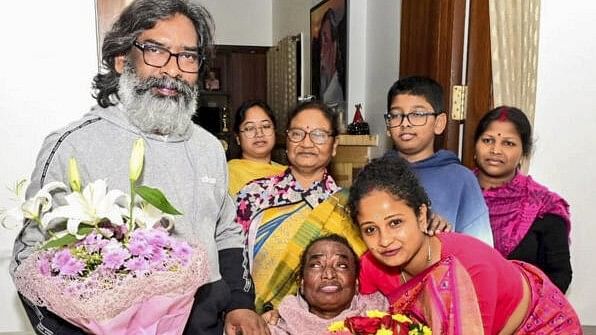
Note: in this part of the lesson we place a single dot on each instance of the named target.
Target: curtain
(514, 52)
(282, 86)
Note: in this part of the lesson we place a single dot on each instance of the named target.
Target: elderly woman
(328, 279)
(254, 128)
(453, 282)
(529, 222)
(283, 213)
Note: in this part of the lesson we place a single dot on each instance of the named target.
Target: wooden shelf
(353, 153)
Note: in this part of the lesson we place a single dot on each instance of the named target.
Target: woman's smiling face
(390, 228)
(329, 278)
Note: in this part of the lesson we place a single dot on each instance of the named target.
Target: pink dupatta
(443, 297)
(514, 206)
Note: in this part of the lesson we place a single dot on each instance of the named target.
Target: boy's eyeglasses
(317, 136)
(415, 118)
(250, 130)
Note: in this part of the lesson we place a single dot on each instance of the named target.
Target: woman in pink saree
(529, 222)
(454, 283)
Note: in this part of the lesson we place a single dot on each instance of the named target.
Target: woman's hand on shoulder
(438, 224)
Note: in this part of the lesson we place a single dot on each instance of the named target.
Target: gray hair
(139, 16)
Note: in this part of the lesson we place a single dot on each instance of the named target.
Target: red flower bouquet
(379, 323)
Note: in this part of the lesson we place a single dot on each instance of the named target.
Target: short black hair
(332, 238)
(513, 115)
(391, 174)
(245, 106)
(419, 86)
(329, 115)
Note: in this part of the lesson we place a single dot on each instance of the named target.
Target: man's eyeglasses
(156, 56)
(415, 118)
(317, 136)
(250, 130)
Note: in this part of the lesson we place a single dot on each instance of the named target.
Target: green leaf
(155, 197)
(66, 239)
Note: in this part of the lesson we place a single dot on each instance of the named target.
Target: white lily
(32, 208)
(136, 159)
(146, 215)
(90, 206)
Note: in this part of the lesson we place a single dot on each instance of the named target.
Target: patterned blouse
(280, 190)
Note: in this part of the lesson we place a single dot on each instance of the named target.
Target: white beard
(164, 115)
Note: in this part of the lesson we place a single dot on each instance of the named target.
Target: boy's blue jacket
(454, 193)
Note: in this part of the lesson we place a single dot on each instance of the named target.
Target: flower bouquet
(379, 323)
(109, 265)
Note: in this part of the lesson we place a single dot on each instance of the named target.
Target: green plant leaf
(66, 239)
(156, 198)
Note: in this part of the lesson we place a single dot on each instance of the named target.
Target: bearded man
(152, 59)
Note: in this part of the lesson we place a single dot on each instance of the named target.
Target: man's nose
(171, 67)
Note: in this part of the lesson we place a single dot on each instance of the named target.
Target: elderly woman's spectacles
(317, 136)
(415, 118)
(250, 130)
(156, 56)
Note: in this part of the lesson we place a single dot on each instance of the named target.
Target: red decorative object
(358, 127)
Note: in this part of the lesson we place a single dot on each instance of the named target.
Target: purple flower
(139, 234)
(114, 255)
(158, 256)
(138, 265)
(74, 267)
(158, 237)
(182, 252)
(61, 258)
(94, 242)
(140, 247)
(66, 264)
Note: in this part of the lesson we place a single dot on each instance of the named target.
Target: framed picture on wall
(328, 33)
(212, 80)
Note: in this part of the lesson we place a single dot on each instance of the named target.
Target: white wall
(47, 63)
(564, 132)
(382, 64)
(246, 22)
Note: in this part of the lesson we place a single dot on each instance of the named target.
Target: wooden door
(432, 44)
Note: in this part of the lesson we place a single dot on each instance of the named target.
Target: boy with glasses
(415, 115)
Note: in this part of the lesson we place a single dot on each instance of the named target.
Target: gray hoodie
(190, 170)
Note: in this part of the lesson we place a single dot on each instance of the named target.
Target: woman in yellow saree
(283, 213)
(254, 127)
